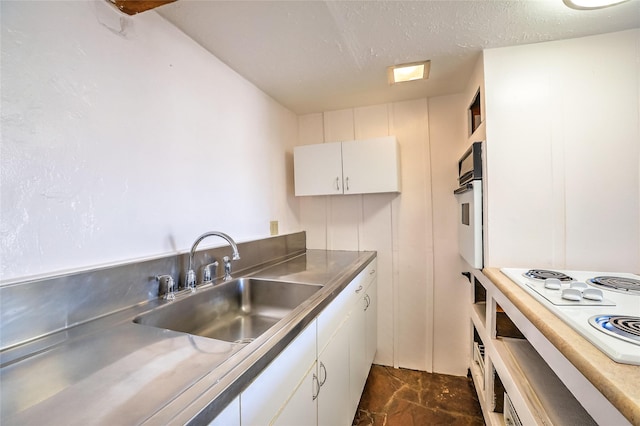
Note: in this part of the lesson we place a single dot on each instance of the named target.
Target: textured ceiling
(314, 56)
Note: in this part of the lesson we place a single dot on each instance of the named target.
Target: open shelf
(474, 113)
(478, 357)
(505, 326)
(546, 397)
(480, 301)
(480, 310)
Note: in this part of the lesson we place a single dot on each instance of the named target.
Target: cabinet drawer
(334, 314)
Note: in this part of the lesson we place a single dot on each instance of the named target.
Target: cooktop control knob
(592, 294)
(552, 283)
(572, 294)
(579, 285)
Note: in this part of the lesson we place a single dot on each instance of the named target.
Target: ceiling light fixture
(408, 72)
(591, 4)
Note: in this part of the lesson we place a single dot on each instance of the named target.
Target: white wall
(398, 227)
(451, 330)
(123, 138)
(408, 230)
(563, 136)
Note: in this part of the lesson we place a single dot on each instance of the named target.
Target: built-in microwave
(469, 195)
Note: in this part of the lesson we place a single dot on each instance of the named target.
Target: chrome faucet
(167, 287)
(190, 281)
(227, 268)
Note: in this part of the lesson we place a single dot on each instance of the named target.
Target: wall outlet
(273, 226)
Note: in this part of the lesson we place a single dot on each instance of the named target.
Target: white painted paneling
(371, 121)
(343, 226)
(313, 210)
(602, 144)
(123, 138)
(413, 215)
(563, 153)
(376, 233)
(397, 226)
(448, 137)
(520, 179)
(339, 125)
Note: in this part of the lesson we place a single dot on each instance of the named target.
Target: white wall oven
(469, 195)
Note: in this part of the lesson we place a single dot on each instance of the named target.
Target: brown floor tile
(406, 397)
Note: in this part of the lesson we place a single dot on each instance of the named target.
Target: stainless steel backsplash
(38, 307)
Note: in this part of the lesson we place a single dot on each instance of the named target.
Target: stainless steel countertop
(112, 371)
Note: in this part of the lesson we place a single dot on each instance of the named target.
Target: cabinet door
(301, 409)
(371, 165)
(230, 416)
(318, 169)
(263, 399)
(333, 372)
(371, 314)
(358, 367)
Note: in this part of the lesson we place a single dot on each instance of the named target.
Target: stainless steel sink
(235, 311)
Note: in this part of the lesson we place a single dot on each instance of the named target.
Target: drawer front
(338, 310)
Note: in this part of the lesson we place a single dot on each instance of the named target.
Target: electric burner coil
(619, 284)
(619, 326)
(543, 274)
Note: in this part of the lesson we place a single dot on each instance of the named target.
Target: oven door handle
(468, 187)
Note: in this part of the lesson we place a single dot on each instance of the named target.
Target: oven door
(470, 222)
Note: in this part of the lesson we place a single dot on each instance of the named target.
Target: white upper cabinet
(354, 167)
(318, 169)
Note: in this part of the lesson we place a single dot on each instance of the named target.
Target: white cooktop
(577, 314)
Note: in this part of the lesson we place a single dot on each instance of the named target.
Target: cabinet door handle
(359, 289)
(371, 272)
(347, 183)
(338, 183)
(368, 300)
(323, 368)
(316, 391)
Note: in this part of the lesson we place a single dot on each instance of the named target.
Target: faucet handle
(227, 268)
(209, 271)
(190, 280)
(167, 287)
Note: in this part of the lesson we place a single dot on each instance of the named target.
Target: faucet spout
(191, 280)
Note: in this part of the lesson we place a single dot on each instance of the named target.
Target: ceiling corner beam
(131, 7)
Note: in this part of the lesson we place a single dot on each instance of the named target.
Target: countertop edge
(617, 382)
(219, 392)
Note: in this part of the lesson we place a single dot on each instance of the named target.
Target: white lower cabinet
(333, 374)
(264, 398)
(358, 370)
(230, 416)
(301, 409)
(320, 375)
(371, 311)
(363, 340)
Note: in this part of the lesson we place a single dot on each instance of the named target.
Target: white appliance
(469, 195)
(604, 307)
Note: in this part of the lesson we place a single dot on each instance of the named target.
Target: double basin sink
(237, 311)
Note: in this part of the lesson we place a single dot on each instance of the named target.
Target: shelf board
(496, 419)
(478, 380)
(481, 310)
(546, 396)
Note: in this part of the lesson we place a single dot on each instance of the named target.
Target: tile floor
(399, 397)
